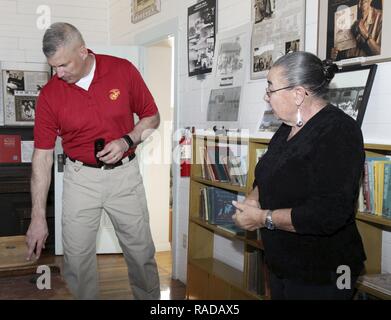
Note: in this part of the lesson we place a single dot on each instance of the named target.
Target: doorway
(155, 151)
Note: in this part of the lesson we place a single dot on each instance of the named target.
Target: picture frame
(354, 31)
(350, 90)
(142, 9)
(201, 36)
(21, 85)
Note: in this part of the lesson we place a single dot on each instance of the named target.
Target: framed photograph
(142, 9)
(354, 31)
(201, 36)
(20, 92)
(350, 90)
(278, 28)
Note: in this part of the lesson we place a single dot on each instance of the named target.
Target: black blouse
(317, 174)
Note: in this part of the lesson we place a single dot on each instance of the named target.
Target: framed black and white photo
(142, 9)
(201, 36)
(350, 90)
(20, 92)
(354, 31)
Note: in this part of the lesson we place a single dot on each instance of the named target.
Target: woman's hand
(248, 217)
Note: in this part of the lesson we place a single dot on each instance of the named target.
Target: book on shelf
(380, 282)
(224, 163)
(375, 187)
(10, 148)
(255, 272)
(216, 205)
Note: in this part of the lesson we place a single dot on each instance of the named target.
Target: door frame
(144, 39)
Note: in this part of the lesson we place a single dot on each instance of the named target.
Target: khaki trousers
(120, 192)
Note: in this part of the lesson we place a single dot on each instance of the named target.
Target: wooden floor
(113, 281)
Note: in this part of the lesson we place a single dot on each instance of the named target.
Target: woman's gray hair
(58, 35)
(306, 69)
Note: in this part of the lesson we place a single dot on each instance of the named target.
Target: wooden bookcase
(207, 276)
(210, 278)
(371, 228)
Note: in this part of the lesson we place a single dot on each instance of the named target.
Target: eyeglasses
(269, 92)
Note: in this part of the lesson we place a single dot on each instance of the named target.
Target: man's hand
(36, 236)
(247, 216)
(113, 151)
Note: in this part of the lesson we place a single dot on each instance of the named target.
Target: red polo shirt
(104, 111)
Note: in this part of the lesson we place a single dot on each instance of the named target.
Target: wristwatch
(128, 141)
(269, 221)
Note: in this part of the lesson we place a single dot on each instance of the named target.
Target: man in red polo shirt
(90, 101)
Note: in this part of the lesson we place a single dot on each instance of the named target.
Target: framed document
(142, 9)
(354, 31)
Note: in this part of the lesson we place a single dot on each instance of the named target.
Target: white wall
(21, 40)
(193, 93)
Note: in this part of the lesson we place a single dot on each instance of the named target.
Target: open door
(106, 241)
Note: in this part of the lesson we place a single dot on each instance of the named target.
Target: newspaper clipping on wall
(224, 104)
(279, 27)
(201, 33)
(231, 57)
(20, 92)
(229, 70)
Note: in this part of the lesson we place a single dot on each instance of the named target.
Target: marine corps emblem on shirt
(114, 94)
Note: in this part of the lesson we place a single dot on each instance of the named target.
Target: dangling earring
(299, 121)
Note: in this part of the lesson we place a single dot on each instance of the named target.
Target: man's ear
(83, 52)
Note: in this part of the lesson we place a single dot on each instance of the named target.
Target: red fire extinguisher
(185, 143)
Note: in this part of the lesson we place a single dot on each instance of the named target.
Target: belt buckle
(107, 167)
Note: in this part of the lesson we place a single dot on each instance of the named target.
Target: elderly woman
(306, 186)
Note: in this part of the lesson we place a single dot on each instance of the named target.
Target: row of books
(225, 163)
(255, 271)
(375, 197)
(216, 208)
(14, 150)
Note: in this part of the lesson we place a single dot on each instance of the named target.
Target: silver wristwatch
(269, 221)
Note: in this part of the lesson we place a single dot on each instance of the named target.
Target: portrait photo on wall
(201, 36)
(25, 106)
(354, 29)
(350, 90)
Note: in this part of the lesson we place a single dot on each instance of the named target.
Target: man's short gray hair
(58, 35)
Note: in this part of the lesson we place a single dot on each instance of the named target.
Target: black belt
(104, 166)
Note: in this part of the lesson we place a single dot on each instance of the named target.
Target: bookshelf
(210, 278)
(371, 228)
(207, 276)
